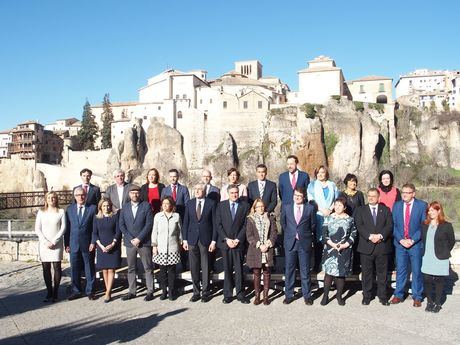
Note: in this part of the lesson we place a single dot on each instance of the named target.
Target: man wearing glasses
(408, 216)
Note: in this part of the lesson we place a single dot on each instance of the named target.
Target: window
(245, 104)
(201, 101)
(210, 101)
(184, 96)
(145, 117)
(361, 88)
(381, 87)
(177, 96)
(159, 107)
(259, 104)
(179, 114)
(224, 104)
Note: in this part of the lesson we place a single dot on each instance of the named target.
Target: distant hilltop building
(426, 87)
(30, 141)
(5, 139)
(65, 127)
(371, 89)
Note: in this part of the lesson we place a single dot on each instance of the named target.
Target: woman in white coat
(50, 227)
(166, 242)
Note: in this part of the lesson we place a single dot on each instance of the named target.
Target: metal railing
(13, 228)
(31, 199)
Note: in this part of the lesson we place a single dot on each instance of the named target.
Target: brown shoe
(396, 300)
(417, 303)
(257, 299)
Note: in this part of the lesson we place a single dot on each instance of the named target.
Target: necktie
(85, 187)
(233, 211)
(374, 215)
(198, 211)
(174, 193)
(298, 216)
(261, 190)
(407, 221)
(80, 214)
(293, 181)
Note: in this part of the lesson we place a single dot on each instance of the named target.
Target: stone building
(431, 87)
(65, 127)
(5, 139)
(371, 89)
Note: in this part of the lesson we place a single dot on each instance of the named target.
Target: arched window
(382, 99)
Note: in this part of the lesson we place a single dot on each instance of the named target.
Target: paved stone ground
(25, 319)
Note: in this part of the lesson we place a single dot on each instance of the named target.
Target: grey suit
(112, 193)
(140, 227)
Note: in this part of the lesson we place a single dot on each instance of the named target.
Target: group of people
(323, 229)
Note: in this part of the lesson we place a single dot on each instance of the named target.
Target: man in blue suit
(299, 223)
(408, 216)
(178, 192)
(199, 239)
(264, 189)
(211, 192)
(93, 193)
(77, 239)
(136, 223)
(291, 179)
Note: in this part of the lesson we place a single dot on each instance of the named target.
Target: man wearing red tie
(408, 216)
(178, 192)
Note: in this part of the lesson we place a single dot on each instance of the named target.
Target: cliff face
(346, 136)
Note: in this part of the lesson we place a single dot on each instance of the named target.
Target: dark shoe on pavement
(437, 308)
(429, 307)
(148, 297)
(384, 302)
(340, 301)
(243, 300)
(227, 300)
(128, 296)
(205, 299)
(195, 298)
(325, 300)
(365, 301)
(163, 296)
(288, 300)
(92, 297)
(308, 301)
(73, 296)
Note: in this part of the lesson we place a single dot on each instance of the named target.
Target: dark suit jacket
(93, 196)
(417, 217)
(144, 192)
(227, 228)
(203, 230)
(139, 227)
(286, 192)
(444, 240)
(365, 225)
(270, 197)
(213, 193)
(182, 196)
(306, 227)
(78, 235)
(112, 193)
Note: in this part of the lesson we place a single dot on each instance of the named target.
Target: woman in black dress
(354, 197)
(107, 236)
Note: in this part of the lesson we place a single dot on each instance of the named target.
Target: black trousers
(438, 282)
(233, 272)
(168, 279)
(199, 261)
(371, 266)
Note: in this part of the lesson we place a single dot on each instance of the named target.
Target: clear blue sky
(55, 54)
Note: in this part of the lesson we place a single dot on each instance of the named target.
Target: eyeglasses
(407, 192)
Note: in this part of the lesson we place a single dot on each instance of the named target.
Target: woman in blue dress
(339, 234)
(107, 236)
(321, 192)
(438, 240)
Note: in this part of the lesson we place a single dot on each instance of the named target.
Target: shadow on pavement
(94, 332)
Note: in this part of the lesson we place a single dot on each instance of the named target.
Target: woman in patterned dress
(339, 234)
(166, 242)
(50, 227)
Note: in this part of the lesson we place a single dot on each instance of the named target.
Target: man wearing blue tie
(299, 223)
(408, 216)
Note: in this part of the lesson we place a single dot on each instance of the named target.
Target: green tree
(445, 106)
(107, 119)
(88, 132)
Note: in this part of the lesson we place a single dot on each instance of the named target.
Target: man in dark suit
(93, 193)
(212, 192)
(264, 189)
(77, 239)
(231, 228)
(178, 192)
(375, 227)
(408, 216)
(291, 179)
(136, 223)
(299, 223)
(199, 239)
(118, 192)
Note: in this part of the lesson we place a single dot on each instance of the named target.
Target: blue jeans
(297, 253)
(404, 257)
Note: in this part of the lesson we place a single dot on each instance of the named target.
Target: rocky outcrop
(20, 176)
